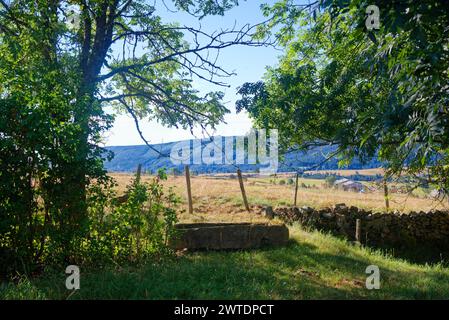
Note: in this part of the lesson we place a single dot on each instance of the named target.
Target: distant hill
(127, 158)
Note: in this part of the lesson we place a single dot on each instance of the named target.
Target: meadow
(219, 199)
(314, 265)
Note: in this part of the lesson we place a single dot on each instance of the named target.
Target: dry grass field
(217, 199)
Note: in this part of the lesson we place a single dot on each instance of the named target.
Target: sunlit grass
(312, 266)
(224, 194)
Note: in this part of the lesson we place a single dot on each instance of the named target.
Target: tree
(330, 181)
(371, 93)
(62, 62)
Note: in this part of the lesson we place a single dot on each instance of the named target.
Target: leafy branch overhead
(372, 93)
(63, 63)
(139, 58)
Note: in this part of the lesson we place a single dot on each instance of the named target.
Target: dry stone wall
(377, 229)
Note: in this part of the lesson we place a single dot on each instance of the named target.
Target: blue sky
(248, 62)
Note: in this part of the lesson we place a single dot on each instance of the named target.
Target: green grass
(312, 266)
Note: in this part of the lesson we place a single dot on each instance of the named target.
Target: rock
(328, 215)
(340, 208)
(339, 205)
(307, 210)
(269, 212)
(355, 210)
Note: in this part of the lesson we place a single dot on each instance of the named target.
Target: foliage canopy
(62, 64)
(371, 93)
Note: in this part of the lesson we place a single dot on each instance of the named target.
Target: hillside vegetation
(127, 158)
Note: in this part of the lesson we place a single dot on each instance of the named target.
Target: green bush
(136, 229)
(282, 182)
(330, 180)
(113, 231)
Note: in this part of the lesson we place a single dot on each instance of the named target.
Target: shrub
(113, 231)
(330, 181)
(136, 229)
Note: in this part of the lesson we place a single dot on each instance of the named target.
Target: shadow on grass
(299, 270)
(419, 254)
(345, 270)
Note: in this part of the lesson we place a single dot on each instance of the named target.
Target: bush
(282, 182)
(290, 181)
(330, 181)
(113, 231)
(136, 229)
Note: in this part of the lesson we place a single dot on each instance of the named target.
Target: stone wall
(377, 229)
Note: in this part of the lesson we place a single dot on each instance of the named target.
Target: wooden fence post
(358, 226)
(189, 190)
(296, 188)
(242, 188)
(387, 201)
(138, 173)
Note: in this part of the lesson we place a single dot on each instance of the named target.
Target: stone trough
(222, 236)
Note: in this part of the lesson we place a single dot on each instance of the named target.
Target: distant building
(437, 194)
(339, 182)
(349, 185)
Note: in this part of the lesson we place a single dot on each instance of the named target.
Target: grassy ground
(312, 266)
